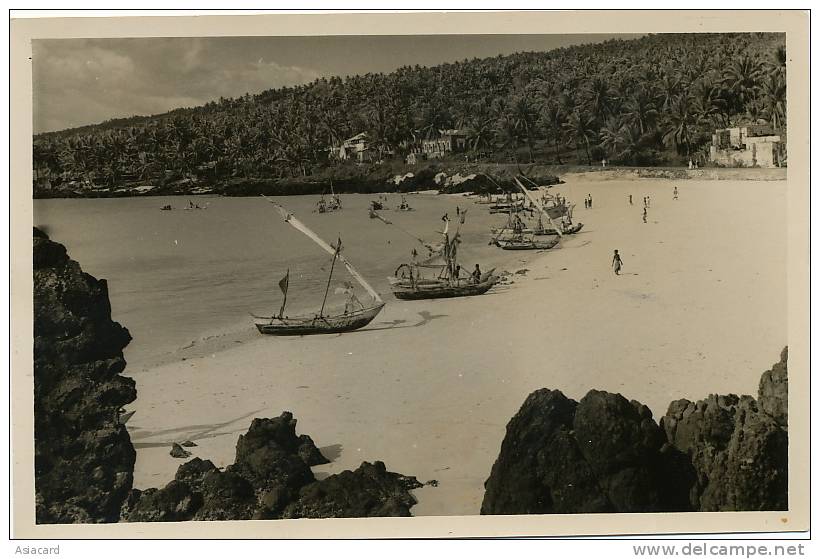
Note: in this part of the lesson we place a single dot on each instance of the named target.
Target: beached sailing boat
(320, 323)
(408, 282)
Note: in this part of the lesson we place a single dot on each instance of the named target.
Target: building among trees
(747, 146)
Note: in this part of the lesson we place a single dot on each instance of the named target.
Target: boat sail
(321, 323)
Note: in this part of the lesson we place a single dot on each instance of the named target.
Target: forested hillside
(653, 100)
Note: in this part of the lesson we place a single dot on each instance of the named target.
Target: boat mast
(327, 288)
(538, 205)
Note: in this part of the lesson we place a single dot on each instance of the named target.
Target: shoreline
(430, 385)
(380, 184)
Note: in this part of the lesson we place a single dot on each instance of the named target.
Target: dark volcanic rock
(604, 454)
(738, 447)
(773, 393)
(541, 468)
(84, 458)
(174, 502)
(178, 452)
(271, 479)
(268, 454)
(368, 491)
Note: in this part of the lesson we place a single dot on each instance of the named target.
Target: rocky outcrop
(737, 445)
(773, 393)
(602, 454)
(271, 478)
(607, 454)
(83, 456)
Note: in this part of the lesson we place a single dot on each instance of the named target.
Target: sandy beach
(429, 386)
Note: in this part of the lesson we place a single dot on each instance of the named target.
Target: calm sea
(177, 277)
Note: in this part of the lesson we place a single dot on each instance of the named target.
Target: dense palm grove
(647, 101)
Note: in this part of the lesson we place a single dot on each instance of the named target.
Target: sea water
(180, 277)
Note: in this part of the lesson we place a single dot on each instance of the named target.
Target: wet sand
(429, 386)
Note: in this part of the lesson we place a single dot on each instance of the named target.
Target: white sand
(700, 309)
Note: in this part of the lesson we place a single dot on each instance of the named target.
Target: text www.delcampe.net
(718, 550)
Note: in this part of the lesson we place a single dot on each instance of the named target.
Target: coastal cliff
(607, 454)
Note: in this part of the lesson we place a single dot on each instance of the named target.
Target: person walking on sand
(644, 214)
(675, 193)
(617, 263)
(590, 200)
(630, 200)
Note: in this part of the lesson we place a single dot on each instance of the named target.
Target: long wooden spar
(291, 220)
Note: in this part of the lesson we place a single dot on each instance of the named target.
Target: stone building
(748, 146)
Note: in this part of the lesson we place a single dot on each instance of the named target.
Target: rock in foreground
(83, 456)
(602, 454)
(738, 446)
(271, 478)
(607, 454)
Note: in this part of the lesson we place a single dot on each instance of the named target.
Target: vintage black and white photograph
(450, 274)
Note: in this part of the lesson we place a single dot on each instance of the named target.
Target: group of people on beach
(588, 201)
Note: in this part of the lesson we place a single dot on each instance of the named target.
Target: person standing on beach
(630, 200)
(617, 263)
(675, 193)
(644, 214)
(590, 200)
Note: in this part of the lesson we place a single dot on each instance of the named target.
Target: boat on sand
(355, 315)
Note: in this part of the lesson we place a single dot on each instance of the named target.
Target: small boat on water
(352, 318)
(404, 206)
(166, 208)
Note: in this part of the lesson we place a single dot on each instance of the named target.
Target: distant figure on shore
(644, 214)
(477, 274)
(617, 263)
(590, 199)
(630, 200)
(458, 210)
(691, 165)
(603, 163)
(675, 193)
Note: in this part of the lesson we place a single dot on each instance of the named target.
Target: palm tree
(774, 98)
(553, 119)
(680, 127)
(742, 79)
(581, 128)
(640, 109)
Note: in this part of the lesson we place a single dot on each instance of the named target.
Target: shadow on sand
(187, 432)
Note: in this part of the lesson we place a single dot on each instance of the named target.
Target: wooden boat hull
(303, 326)
(570, 231)
(444, 291)
(528, 245)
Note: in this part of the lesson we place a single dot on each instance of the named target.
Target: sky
(86, 81)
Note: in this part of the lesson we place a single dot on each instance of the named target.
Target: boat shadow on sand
(399, 324)
(186, 432)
